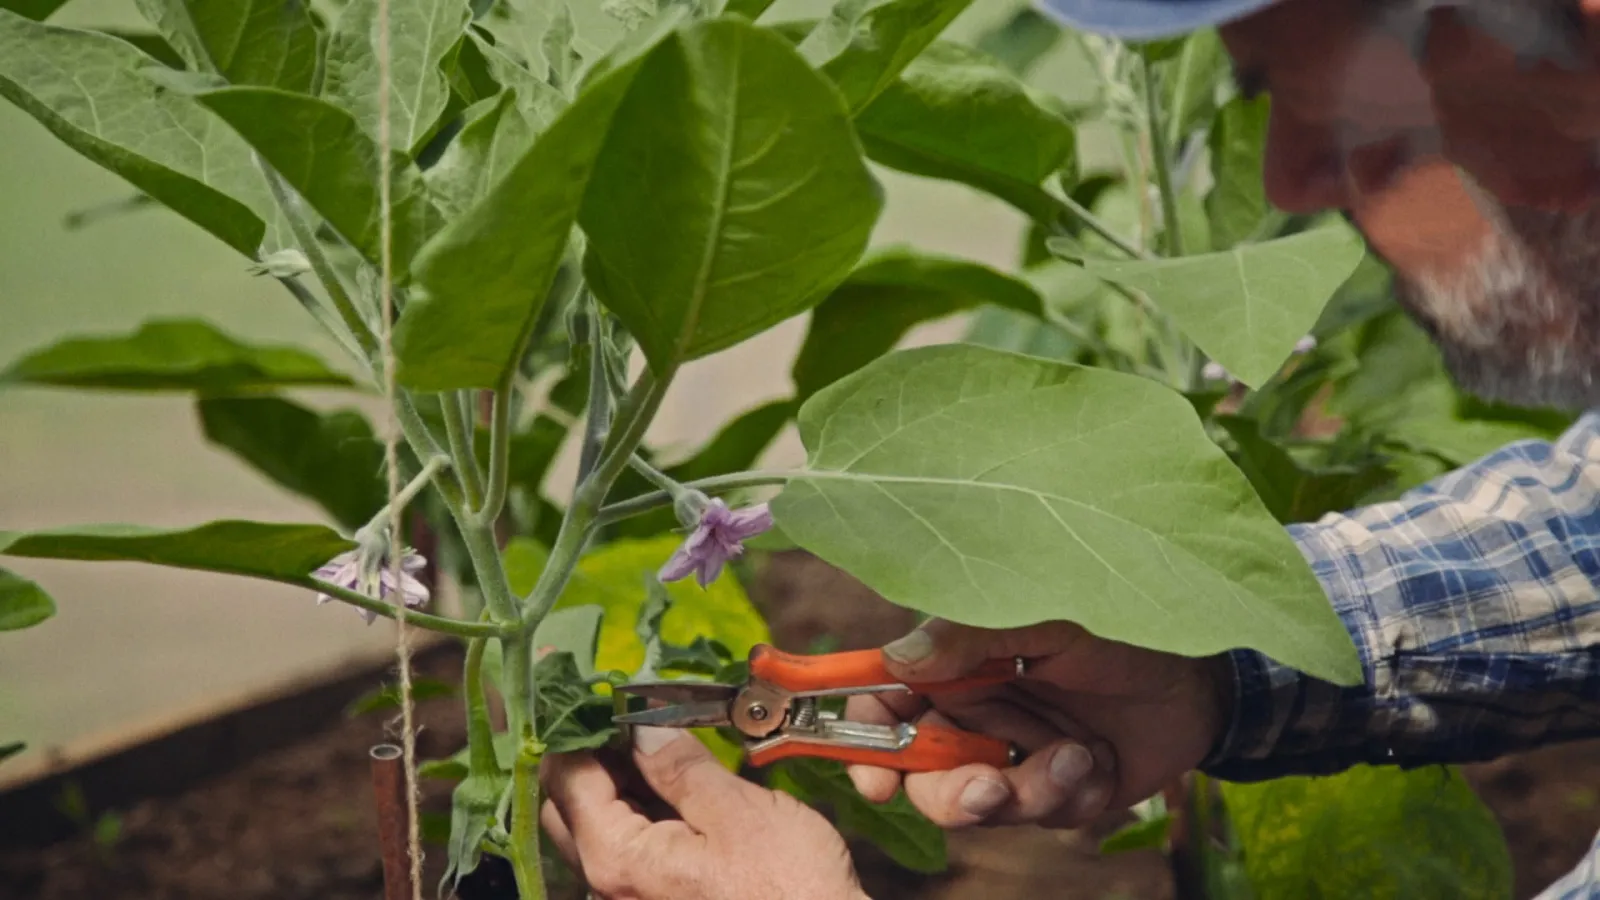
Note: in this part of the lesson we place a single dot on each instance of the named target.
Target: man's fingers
(688, 777)
(875, 784)
(585, 797)
(1064, 785)
(940, 650)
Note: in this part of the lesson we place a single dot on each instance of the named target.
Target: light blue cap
(1145, 20)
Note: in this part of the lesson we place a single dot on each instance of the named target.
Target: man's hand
(1103, 724)
(734, 840)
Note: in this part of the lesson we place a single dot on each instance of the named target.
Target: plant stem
(480, 733)
(633, 506)
(597, 423)
(326, 319)
(1095, 224)
(526, 861)
(458, 431)
(306, 237)
(494, 497)
(655, 476)
(1161, 160)
(408, 493)
(441, 624)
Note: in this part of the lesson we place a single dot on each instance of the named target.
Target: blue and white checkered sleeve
(1474, 601)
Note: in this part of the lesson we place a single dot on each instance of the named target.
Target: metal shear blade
(691, 704)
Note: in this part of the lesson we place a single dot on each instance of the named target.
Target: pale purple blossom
(719, 537)
(346, 571)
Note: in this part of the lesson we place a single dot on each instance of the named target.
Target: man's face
(1508, 281)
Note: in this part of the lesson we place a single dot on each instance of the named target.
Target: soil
(299, 825)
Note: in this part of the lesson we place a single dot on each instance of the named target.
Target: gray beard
(1520, 325)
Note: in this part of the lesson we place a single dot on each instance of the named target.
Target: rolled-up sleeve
(1474, 602)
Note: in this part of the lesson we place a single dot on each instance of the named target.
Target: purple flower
(346, 571)
(718, 537)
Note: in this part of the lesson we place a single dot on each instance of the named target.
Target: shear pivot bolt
(757, 712)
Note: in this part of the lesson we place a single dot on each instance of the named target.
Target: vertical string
(391, 450)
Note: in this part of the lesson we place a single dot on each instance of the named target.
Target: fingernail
(1090, 803)
(983, 796)
(1069, 765)
(914, 647)
(649, 739)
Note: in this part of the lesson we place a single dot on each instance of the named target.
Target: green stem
(458, 431)
(633, 506)
(1092, 222)
(306, 237)
(406, 494)
(494, 497)
(480, 732)
(655, 476)
(441, 624)
(526, 862)
(326, 319)
(597, 423)
(1161, 158)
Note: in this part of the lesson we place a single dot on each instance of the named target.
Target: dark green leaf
(956, 115)
(863, 45)
(455, 766)
(472, 812)
(532, 452)
(37, 10)
(1189, 85)
(1370, 832)
(1021, 41)
(574, 630)
(494, 138)
(488, 274)
(424, 33)
(269, 43)
(896, 827)
(23, 604)
(12, 749)
(1007, 329)
(468, 72)
(1246, 307)
(1142, 834)
(173, 355)
(570, 716)
(1237, 203)
(1005, 477)
(322, 152)
(711, 222)
(332, 458)
(750, 9)
(884, 297)
(154, 45)
(388, 696)
(288, 553)
(159, 141)
(1291, 492)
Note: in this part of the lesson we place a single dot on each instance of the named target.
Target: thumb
(683, 772)
(940, 650)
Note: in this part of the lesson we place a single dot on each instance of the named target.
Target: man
(1472, 600)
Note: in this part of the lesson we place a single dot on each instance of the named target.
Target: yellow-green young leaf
(485, 277)
(23, 604)
(1237, 202)
(957, 115)
(1246, 307)
(161, 142)
(1379, 833)
(494, 138)
(1002, 490)
(884, 297)
(331, 458)
(863, 45)
(422, 33)
(730, 194)
(288, 553)
(322, 152)
(269, 43)
(170, 355)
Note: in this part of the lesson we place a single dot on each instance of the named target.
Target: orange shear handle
(934, 749)
(859, 668)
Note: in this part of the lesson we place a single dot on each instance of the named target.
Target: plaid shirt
(1473, 602)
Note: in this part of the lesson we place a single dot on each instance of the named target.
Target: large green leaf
(1237, 203)
(486, 276)
(494, 138)
(730, 194)
(1189, 85)
(896, 827)
(1021, 41)
(1001, 490)
(159, 141)
(1382, 833)
(332, 458)
(863, 45)
(170, 355)
(323, 153)
(957, 115)
(277, 552)
(883, 298)
(23, 604)
(270, 43)
(422, 34)
(1246, 307)
(1291, 491)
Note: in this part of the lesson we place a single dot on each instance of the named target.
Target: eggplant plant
(574, 212)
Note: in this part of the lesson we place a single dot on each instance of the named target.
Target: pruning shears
(777, 711)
